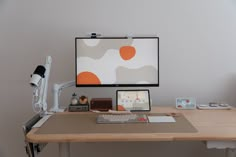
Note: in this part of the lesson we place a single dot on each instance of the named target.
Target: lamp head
(37, 76)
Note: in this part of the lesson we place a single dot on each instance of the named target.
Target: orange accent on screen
(127, 52)
(87, 78)
(120, 108)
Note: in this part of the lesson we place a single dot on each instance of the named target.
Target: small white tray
(214, 107)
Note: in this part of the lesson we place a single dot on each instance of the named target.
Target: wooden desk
(211, 125)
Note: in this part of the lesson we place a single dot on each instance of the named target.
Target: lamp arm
(57, 88)
(45, 87)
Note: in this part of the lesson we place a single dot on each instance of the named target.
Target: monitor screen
(117, 61)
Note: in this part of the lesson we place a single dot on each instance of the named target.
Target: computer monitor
(117, 61)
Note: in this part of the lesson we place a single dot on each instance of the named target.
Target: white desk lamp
(39, 82)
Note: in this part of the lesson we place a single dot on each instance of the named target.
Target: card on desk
(185, 103)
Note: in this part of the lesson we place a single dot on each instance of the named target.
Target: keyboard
(121, 118)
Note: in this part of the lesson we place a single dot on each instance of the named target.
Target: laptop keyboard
(121, 118)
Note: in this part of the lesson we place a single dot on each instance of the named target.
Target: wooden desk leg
(229, 146)
(64, 149)
(230, 152)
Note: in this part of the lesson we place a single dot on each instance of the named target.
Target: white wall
(197, 58)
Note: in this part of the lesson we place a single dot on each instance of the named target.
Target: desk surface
(210, 125)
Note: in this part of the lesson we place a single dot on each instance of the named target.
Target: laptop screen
(133, 100)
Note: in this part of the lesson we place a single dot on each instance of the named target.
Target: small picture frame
(133, 100)
(185, 103)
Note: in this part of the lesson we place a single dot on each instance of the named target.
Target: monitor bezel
(118, 85)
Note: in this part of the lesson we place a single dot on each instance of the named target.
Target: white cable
(35, 99)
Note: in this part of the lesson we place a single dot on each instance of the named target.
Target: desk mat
(86, 123)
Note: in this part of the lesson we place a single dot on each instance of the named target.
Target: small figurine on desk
(83, 100)
(74, 100)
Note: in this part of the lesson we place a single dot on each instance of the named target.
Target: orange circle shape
(127, 52)
(87, 78)
(120, 108)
